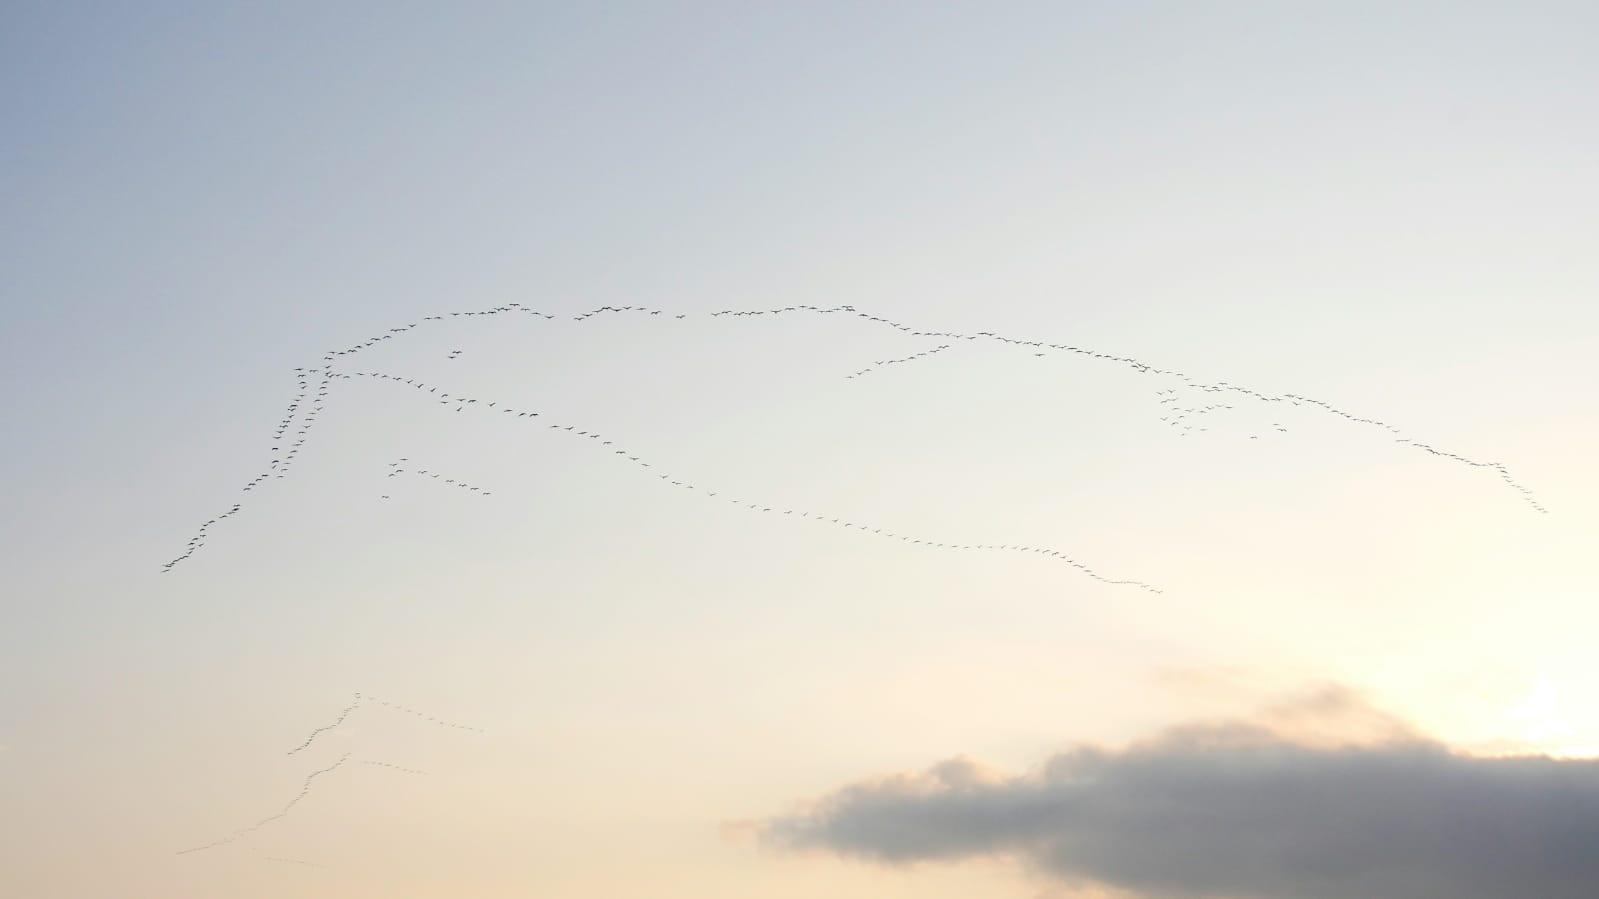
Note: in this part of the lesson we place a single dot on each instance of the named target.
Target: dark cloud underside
(1240, 812)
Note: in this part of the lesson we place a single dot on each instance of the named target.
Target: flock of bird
(861, 527)
(407, 710)
(395, 471)
(315, 385)
(305, 787)
(885, 362)
(377, 764)
(1186, 405)
(1178, 415)
(306, 744)
(365, 699)
(305, 790)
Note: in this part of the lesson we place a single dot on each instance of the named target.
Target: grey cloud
(1241, 810)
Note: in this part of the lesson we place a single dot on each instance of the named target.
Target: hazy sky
(1226, 530)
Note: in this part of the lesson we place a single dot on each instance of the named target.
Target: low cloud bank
(1241, 810)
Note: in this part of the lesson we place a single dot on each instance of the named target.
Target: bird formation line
(327, 727)
(396, 707)
(309, 402)
(305, 787)
(377, 764)
(1213, 387)
(395, 471)
(761, 507)
(313, 403)
(305, 790)
(362, 699)
(911, 358)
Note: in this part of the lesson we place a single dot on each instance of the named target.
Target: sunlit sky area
(860, 450)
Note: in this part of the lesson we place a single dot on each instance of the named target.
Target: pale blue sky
(1387, 206)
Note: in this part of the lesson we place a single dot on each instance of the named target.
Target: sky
(1045, 450)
